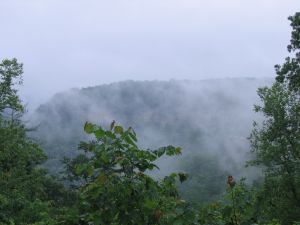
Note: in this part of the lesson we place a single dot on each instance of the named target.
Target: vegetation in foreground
(109, 182)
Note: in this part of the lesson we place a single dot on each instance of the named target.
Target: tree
(10, 74)
(276, 142)
(277, 149)
(114, 187)
(26, 190)
(290, 70)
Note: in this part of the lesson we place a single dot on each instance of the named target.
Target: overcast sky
(78, 43)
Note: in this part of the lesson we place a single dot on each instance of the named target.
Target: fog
(65, 44)
(210, 119)
(176, 70)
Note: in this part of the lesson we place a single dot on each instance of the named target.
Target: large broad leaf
(99, 133)
(132, 134)
(129, 140)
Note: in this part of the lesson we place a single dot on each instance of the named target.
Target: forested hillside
(209, 119)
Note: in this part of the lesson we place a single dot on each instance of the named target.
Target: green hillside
(211, 120)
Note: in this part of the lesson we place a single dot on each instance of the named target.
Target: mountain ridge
(209, 119)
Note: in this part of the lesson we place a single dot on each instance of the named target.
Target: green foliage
(211, 214)
(276, 142)
(27, 194)
(290, 70)
(10, 74)
(206, 179)
(276, 148)
(160, 113)
(114, 185)
(238, 207)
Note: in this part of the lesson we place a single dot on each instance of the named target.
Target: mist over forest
(210, 119)
(173, 112)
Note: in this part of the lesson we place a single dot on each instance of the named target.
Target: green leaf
(104, 157)
(129, 140)
(182, 177)
(178, 151)
(79, 169)
(102, 178)
(160, 152)
(99, 133)
(90, 170)
(88, 127)
(110, 134)
(150, 204)
(133, 136)
(118, 130)
(151, 166)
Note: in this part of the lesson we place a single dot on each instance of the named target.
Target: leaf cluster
(114, 187)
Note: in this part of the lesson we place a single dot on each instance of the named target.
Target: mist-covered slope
(209, 119)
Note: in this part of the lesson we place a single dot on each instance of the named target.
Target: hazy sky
(77, 43)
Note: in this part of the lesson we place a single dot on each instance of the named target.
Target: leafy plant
(115, 187)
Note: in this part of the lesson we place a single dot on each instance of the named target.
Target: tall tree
(277, 149)
(26, 191)
(275, 142)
